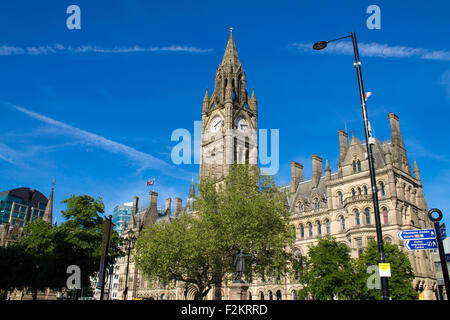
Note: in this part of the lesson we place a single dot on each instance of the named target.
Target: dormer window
(356, 166)
(316, 203)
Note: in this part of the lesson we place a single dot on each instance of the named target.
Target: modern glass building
(20, 205)
(121, 215)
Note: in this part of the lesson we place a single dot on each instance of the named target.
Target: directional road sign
(421, 244)
(417, 234)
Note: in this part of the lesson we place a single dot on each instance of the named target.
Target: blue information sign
(417, 234)
(421, 244)
(442, 231)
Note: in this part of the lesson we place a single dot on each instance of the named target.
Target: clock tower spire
(229, 119)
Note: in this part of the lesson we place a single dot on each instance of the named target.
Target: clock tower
(229, 119)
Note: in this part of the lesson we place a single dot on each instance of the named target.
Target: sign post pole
(440, 247)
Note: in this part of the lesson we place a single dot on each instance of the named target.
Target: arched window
(316, 203)
(382, 189)
(295, 232)
(310, 229)
(302, 231)
(367, 213)
(278, 295)
(340, 199)
(359, 165)
(359, 191)
(354, 166)
(270, 295)
(328, 226)
(365, 189)
(353, 192)
(319, 228)
(357, 217)
(343, 223)
(388, 240)
(294, 295)
(249, 295)
(261, 296)
(385, 216)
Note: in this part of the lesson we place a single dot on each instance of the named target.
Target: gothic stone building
(337, 204)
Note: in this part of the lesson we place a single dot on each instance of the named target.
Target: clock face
(241, 124)
(216, 124)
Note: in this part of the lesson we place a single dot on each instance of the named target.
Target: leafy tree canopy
(245, 211)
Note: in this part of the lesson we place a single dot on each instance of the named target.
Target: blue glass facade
(17, 206)
(120, 216)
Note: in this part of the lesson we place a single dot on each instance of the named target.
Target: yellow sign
(420, 296)
(385, 269)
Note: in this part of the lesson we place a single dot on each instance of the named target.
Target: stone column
(238, 291)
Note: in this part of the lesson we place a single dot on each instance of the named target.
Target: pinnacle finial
(231, 30)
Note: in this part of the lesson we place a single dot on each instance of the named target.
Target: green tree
(40, 258)
(245, 211)
(80, 237)
(402, 275)
(327, 271)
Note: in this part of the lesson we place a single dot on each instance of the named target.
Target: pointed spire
(192, 190)
(206, 97)
(327, 169)
(416, 170)
(253, 104)
(230, 56)
(206, 101)
(48, 214)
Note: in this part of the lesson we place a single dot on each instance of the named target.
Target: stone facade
(336, 203)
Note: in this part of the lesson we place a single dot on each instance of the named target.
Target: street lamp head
(320, 45)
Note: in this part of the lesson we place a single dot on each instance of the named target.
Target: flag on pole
(367, 95)
(151, 182)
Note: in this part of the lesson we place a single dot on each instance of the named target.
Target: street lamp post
(369, 142)
(130, 242)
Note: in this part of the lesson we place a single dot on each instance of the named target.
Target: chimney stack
(296, 175)
(178, 206)
(135, 207)
(168, 204)
(153, 199)
(342, 146)
(316, 169)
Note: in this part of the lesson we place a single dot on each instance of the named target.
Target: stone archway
(192, 293)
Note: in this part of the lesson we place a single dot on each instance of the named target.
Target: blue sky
(95, 108)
